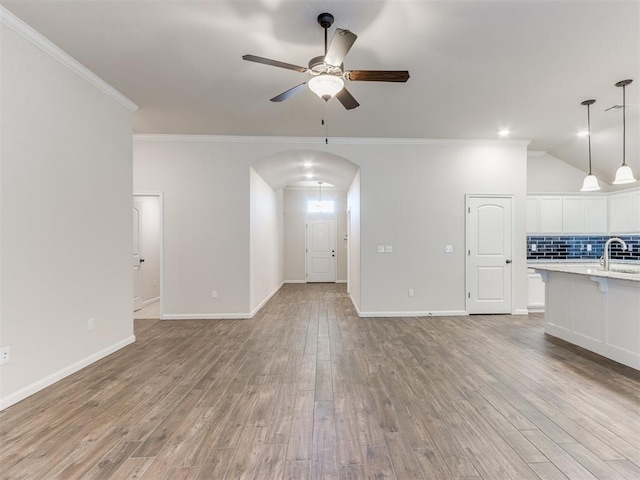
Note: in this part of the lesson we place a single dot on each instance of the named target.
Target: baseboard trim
(522, 311)
(268, 297)
(150, 301)
(65, 372)
(441, 313)
(295, 281)
(341, 281)
(535, 310)
(204, 316)
(355, 305)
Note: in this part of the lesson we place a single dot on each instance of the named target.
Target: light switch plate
(448, 249)
(380, 248)
(388, 249)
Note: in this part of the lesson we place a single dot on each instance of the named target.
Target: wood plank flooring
(307, 390)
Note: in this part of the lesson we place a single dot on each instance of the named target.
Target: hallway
(307, 389)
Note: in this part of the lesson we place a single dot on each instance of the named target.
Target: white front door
(489, 260)
(321, 250)
(137, 277)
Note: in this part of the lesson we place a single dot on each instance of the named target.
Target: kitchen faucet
(607, 251)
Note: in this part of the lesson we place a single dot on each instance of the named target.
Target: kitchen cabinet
(584, 214)
(567, 214)
(595, 214)
(624, 212)
(535, 291)
(550, 214)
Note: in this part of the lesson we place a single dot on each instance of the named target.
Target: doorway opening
(147, 255)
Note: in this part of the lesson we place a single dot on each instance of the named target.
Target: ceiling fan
(327, 71)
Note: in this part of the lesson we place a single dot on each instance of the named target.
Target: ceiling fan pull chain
(326, 127)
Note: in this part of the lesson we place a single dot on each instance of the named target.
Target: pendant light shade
(326, 86)
(590, 183)
(624, 174)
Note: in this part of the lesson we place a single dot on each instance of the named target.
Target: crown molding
(536, 153)
(145, 137)
(28, 33)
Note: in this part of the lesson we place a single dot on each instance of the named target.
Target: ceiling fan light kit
(326, 86)
(624, 174)
(327, 71)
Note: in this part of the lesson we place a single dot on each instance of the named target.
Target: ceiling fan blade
(378, 75)
(340, 45)
(347, 99)
(274, 63)
(289, 93)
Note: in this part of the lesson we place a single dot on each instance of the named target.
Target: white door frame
(160, 196)
(306, 240)
(467, 242)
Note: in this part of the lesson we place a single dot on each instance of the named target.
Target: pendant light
(590, 183)
(624, 174)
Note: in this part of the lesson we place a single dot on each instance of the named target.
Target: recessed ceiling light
(307, 164)
(504, 132)
(583, 134)
(309, 175)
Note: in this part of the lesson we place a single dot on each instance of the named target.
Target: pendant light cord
(589, 129)
(624, 127)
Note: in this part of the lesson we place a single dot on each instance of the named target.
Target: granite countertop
(618, 271)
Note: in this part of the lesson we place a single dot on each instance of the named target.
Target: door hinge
(468, 253)
(469, 295)
(468, 209)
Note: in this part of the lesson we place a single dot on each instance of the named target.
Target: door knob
(142, 260)
(508, 261)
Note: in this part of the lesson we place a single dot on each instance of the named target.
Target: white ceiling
(476, 67)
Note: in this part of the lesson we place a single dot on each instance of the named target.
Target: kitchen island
(595, 309)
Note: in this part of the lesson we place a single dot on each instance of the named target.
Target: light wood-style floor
(309, 390)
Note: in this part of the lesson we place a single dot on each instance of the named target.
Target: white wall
(206, 225)
(548, 174)
(295, 210)
(66, 220)
(412, 196)
(149, 206)
(353, 217)
(266, 241)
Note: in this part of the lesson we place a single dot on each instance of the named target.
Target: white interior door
(137, 277)
(489, 259)
(321, 250)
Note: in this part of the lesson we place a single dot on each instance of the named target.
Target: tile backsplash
(576, 247)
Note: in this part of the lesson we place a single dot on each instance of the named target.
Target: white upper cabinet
(624, 212)
(550, 215)
(595, 214)
(567, 214)
(532, 214)
(573, 216)
(636, 212)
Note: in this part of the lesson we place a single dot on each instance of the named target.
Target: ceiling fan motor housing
(325, 20)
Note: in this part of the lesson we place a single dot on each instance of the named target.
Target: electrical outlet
(380, 249)
(214, 294)
(534, 247)
(388, 249)
(91, 324)
(588, 247)
(5, 355)
(448, 249)
(411, 292)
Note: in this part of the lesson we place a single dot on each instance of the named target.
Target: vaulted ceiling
(476, 67)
